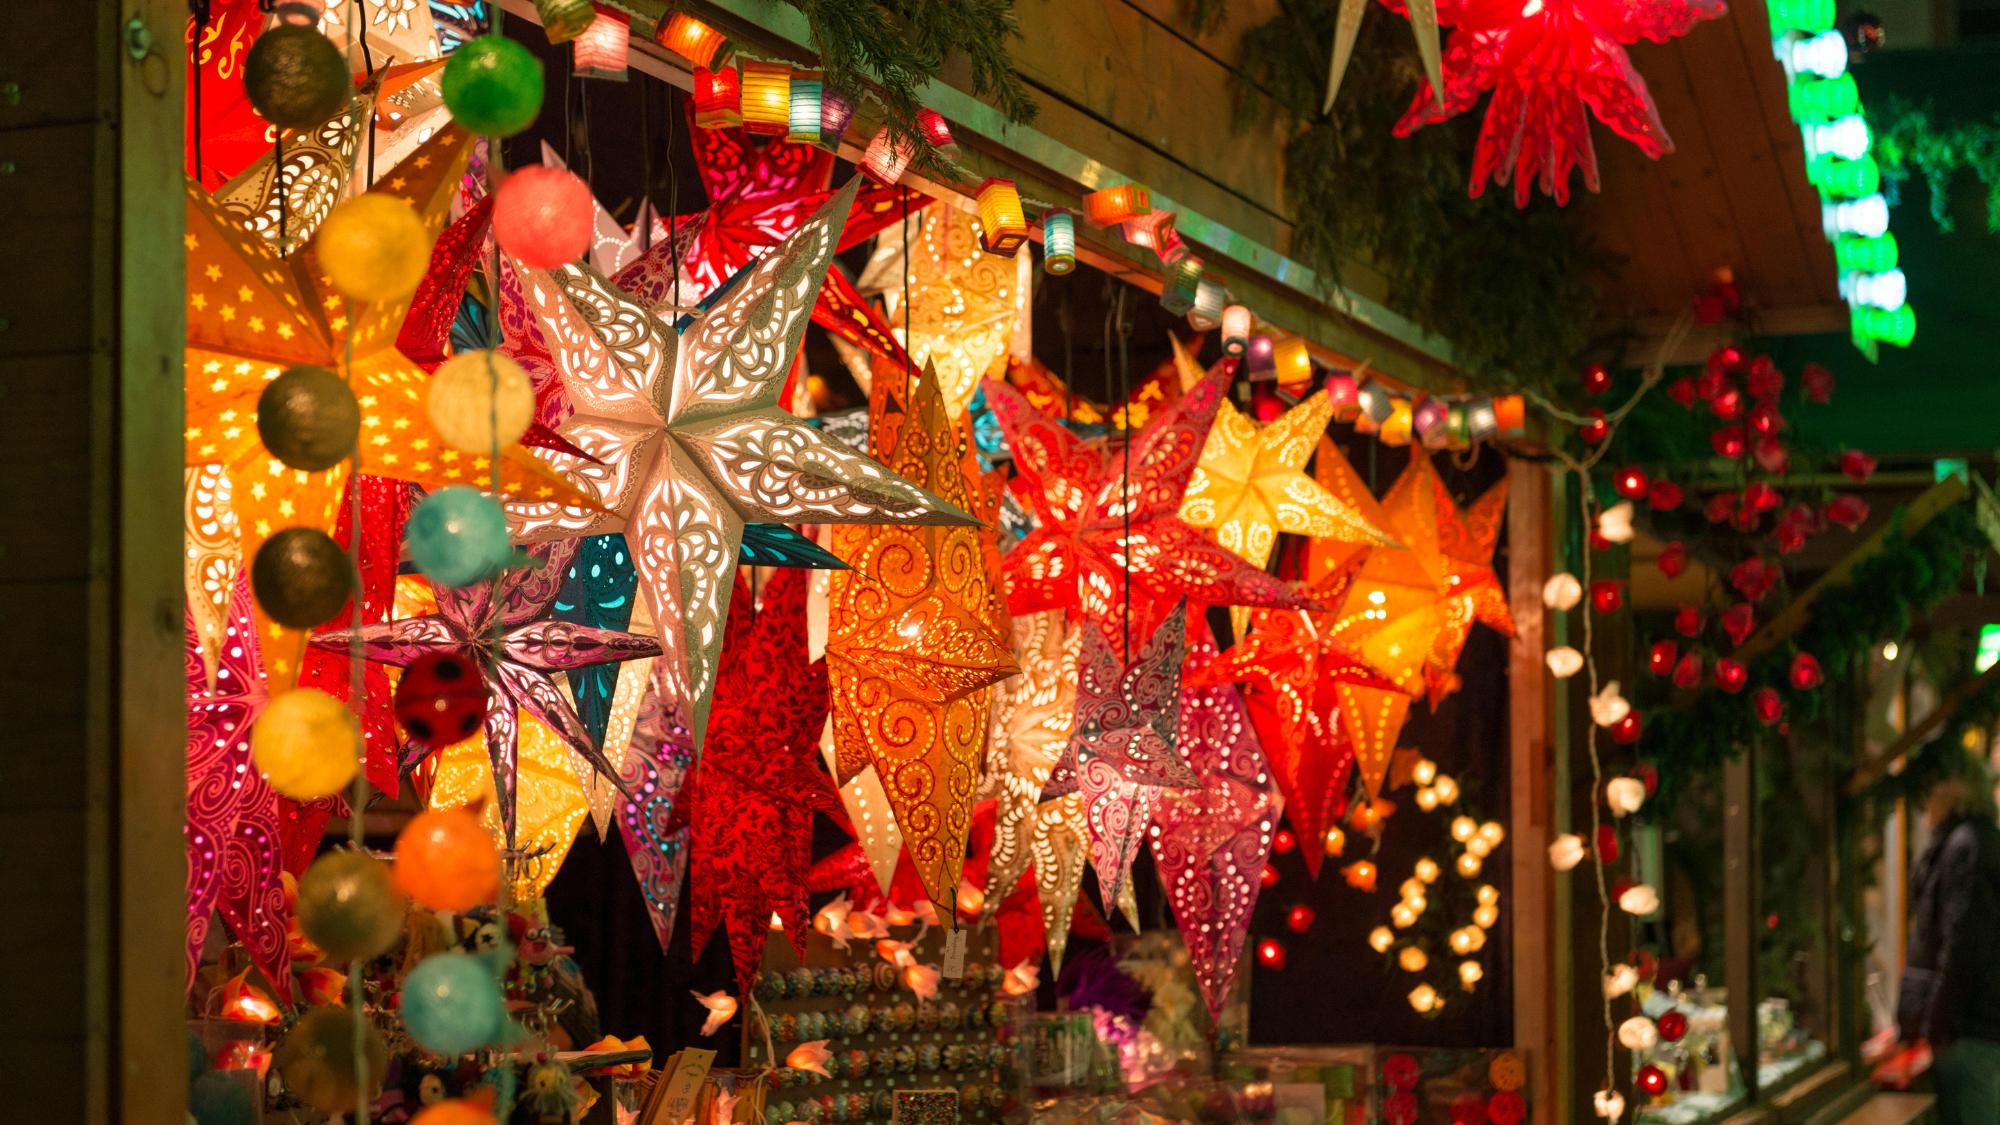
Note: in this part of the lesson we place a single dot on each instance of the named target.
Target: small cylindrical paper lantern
(1375, 409)
(600, 50)
(1236, 330)
(718, 102)
(1209, 297)
(1002, 225)
(1481, 421)
(932, 125)
(1116, 205)
(1150, 230)
(1058, 242)
(1510, 415)
(1257, 357)
(807, 109)
(1345, 395)
(1177, 289)
(1457, 427)
(692, 39)
(767, 98)
(836, 112)
(885, 160)
(564, 20)
(1398, 427)
(1429, 422)
(1293, 363)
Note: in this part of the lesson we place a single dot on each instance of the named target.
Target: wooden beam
(1921, 511)
(1872, 770)
(1530, 546)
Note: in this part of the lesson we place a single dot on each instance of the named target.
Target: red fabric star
(751, 804)
(1545, 61)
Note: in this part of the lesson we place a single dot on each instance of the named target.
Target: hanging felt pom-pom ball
(317, 1060)
(544, 216)
(493, 86)
(216, 1098)
(374, 248)
(305, 744)
(308, 418)
(349, 906)
(301, 577)
(452, 1004)
(440, 700)
(458, 536)
(456, 1111)
(295, 77)
(445, 859)
(476, 391)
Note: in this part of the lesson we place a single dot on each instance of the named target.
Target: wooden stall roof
(1733, 193)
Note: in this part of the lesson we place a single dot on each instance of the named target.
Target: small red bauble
(1805, 672)
(1728, 357)
(1300, 919)
(1595, 430)
(1730, 676)
(1672, 1025)
(1721, 506)
(1400, 1108)
(1687, 622)
(1765, 419)
(1769, 707)
(1664, 496)
(1728, 442)
(544, 216)
(1468, 1109)
(1270, 876)
(441, 699)
(1626, 731)
(1400, 1072)
(1739, 621)
(1605, 596)
(1772, 456)
(1507, 1107)
(1607, 845)
(1598, 542)
(1672, 560)
(1847, 511)
(1712, 382)
(1761, 497)
(1764, 379)
(1270, 954)
(1620, 886)
(1857, 464)
(1753, 578)
(1817, 383)
(1660, 661)
(1645, 962)
(1728, 405)
(1683, 392)
(1284, 841)
(1596, 380)
(1631, 482)
(1652, 1080)
(1687, 673)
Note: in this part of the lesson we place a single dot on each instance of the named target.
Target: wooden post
(91, 334)
(1530, 549)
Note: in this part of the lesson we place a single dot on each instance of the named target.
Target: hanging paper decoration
(597, 592)
(1160, 389)
(283, 204)
(1032, 720)
(962, 300)
(910, 656)
(600, 51)
(1085, 498)
(691, 39)
(878, 840)
(1058, 242)
(235, 866)
(1545, 62)
(751, 805)
(657, 766)
(549, 806)
(805, 108)
(690, 442)
(767, 98)
(251, 315)
(528, 650)
(886, 158)
(1058, 849)
(1114, 205)
(718, 99)
(1211, 843)
(1002, 226)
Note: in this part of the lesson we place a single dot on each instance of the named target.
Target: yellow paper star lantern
(552, 805)
(962, 303)
(1060, 846)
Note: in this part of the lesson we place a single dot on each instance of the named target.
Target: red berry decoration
(1739, 621)
(1761, 497)
(1605, 595)
(1626, 731)
(1728, 357)
(1660, 661)
(1631, 482)
(1598, 542)
(1300, 919)
(1687, 673)
(1400, 1072)
(1672, 560)
(1645, 962)
(1468, 1109)
(1595, 430)
(1664, 496)
(1284, 841)
(1596, 380)
(1270, 876)
(1728, 442)
(1857, 465)
(1652, 1080)
(1672, 1024)
(1400, 1108)
(1712, 382)
(1270, 954)
(1805, 672)
(1848, 511)
(1683, 392)
(1728, 405)
(1753, 578)
(1607, 845)
(1507, 1107)
(1772, 456)
(1765, 419)
(441, 699)
(1688, 621)
(1721, 506)
(1817, 382)
(1730, 676)
(1764, 378)
(1769, 707)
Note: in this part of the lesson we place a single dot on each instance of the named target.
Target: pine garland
(1909, 140)
(1508, 287)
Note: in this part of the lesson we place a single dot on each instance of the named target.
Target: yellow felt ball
(472, 393)
(374, 248)
(306, 744)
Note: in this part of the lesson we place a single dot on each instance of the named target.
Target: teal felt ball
(452, 1004)
(493, 86)
(457, 537)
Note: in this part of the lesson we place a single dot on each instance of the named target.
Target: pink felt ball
(544, 216)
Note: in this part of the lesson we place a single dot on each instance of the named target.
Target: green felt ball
(493, 86)
(295, 77)
(301, 577)
(349, 906)
(308, 418)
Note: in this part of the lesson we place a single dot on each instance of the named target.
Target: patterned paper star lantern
(962, 306)
(1032, 718)
(1160, 389)
(691, 442)
(1545, 62)
(549, 805)
(502, 618)
(1058, 849)
(1100, 515)
(750, 808)
(252, 315)
(1211, 843)
(909, 654)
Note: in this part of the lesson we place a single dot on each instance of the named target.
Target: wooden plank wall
(91, 780)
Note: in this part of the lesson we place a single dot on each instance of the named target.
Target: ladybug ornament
(440, 700)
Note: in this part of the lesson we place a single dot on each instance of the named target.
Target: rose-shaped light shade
(1615, 522)
(1469, 973)
(1620, 980)
(810, 1056)
(1562, 591)
(1022, 979)
(1567, 851)
(1564, 661)
(721, 1009)
(1424, 998)
(1427, 869)
(1805, 672)
(1624, 795)
(1445, 788)
(1607, 706)
(1463, 828)
(1610, 1104)
(1381, 938)
(1412, 959)
(1639, 900)
(922, 980)
(1638, 1033)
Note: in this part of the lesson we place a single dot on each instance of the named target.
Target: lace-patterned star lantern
(549, 806)
(529, 650)
(1059, 847)
(757, 786)
(654, 820)
(962, 299)
(252, 315)
(1211, 844)
(1032, 718)
(1085, 496)
(910, 654)
(691, 443)
(1546, 61)
(235, 863)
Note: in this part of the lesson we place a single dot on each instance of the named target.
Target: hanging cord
(1064, 318)
(194, 83)
(367, 60)
(645, 217)
(909, 359)
(278, 166)
(673, 204)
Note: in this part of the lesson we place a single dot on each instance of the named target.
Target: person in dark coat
(1951, 982)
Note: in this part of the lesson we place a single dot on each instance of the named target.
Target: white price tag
(954, 953)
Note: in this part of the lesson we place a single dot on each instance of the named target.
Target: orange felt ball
(445, 859)
(457, 1111)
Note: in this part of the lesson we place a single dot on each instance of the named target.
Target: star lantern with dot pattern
(1032, 717)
